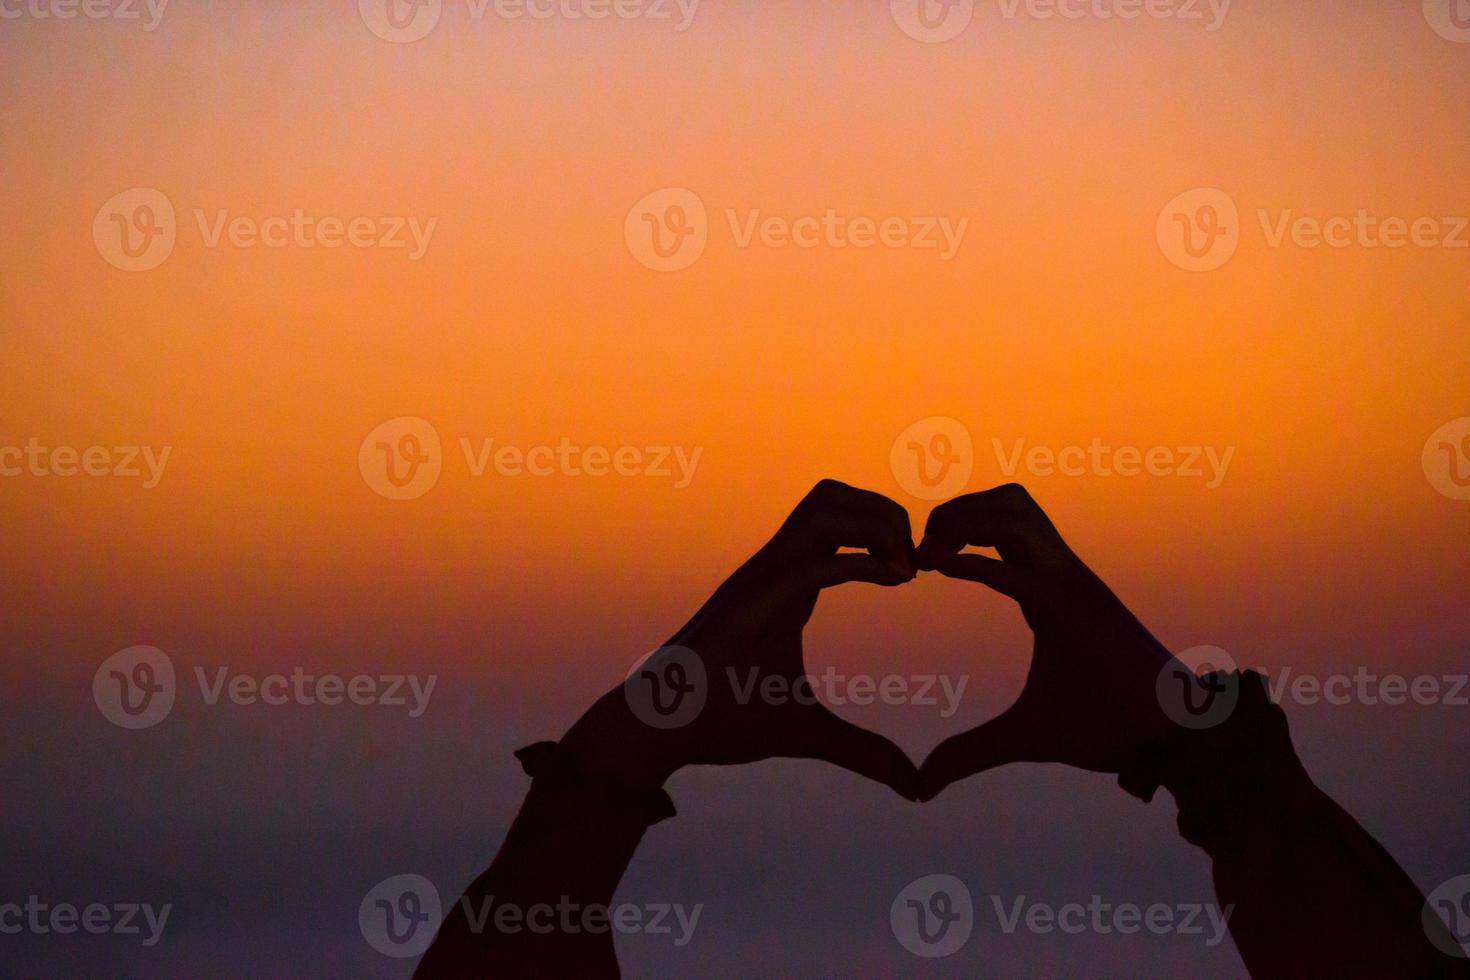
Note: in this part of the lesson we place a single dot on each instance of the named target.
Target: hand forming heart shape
(1089, 700)
(1101, 694)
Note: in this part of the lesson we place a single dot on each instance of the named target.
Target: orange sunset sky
(529, 319)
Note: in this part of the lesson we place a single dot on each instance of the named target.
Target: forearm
(542, 906)
(1315, 894)
(1309, 891)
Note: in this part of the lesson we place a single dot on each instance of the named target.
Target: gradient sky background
(1325, 549)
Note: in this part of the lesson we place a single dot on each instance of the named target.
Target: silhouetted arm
(1314, 894)
(542, 906)
(1309, 892)
(693, 702)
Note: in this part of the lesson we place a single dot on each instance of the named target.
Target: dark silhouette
(1315, 894)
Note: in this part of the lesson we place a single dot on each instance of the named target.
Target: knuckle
(827, 489)
(1014, 492)
(953, 511)
(942, 517)
(898, 514)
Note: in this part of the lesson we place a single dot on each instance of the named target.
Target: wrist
(609, 742)
(1229, 779)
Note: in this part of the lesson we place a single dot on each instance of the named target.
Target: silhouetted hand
(730, 687)
(1090, 698)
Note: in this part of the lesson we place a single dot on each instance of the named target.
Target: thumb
(854, 567)
(996, 743)
(822, 735)
(1002, 576)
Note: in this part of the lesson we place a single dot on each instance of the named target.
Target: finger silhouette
(835, 515)
(833, 570)
(1090, 697)
(1004, 577)
(1004, 518)
(1001, 741)
(752, 626)
(820, 734)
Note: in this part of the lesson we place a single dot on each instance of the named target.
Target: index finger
(1005, 518)
(834, 515)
